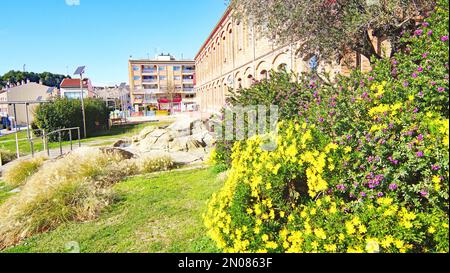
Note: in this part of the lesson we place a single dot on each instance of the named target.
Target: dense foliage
(47, 78)
(361, 167)
(326, 27)
(65, 113)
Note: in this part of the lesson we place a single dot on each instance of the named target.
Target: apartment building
(235, 55)
(162, 84)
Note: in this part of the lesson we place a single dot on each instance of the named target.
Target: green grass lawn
(160, 213)
(8, 142)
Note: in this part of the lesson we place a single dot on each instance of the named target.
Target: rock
(193, 144)
(146, 131)
(198, 127)
(121, 143)
(209, 139)
(157, 133)
(162, 143)
(199, 137)
(123, 153)
(178, 144)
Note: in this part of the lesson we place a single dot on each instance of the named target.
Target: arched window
(282, 67)
(264, 75)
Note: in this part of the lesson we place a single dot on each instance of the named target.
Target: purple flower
(425, 55)
(420, 69)
(405, 84)
(435, 168)
(321, 120)
(419, 154)
(420, 137)
(418, 32)
(363, 194)
(393, 187)
(425, 24)
(441, 89)
(444, 38)
(430, 32)
(380, 194)
(424, 193)
(340, 187)
(414, 75)
(433, 83)
(370, 78)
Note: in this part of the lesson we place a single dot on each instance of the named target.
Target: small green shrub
(155, 164)
(17, 174)
(65, 113)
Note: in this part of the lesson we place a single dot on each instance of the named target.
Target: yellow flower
(387, 242)
(342, 237)
(268, 186)
(330, 248)
(282, 214)
(271, 245)
(350, 228)
(347, 149)
(265, 237)
(362, 229)
(431, 230)
(320, 233)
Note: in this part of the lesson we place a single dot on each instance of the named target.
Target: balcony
(151, 90)
(188, 89)
(188, 71)
(150, 80)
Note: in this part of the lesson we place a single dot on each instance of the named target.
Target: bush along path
(361, 166)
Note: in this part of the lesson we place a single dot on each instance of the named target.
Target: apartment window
(162, 68)
(135, 68)
(176, 68)
(177, 78)
(162, 78)
(136, 78)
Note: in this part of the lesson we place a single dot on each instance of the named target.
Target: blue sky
(59, 35)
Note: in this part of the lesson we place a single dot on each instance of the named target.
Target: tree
(171, 91)
(326, 28)
(47, 78)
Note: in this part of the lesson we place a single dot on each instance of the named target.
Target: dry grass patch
(18, 172)
(74, 188)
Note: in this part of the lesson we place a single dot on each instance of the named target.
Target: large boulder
(116, 151)
(145, 132)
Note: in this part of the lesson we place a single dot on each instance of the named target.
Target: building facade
(162, 84)
(235, 55)
(71, 89)
(22, 93)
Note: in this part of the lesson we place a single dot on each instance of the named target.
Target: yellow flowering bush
(362, 166)
(282, 201)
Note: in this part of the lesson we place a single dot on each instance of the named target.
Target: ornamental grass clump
(74, 188)
(155, 164)
(18, 172)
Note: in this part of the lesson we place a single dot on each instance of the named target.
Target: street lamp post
(80, 71)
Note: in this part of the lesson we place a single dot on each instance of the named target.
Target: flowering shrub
(363, 168)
